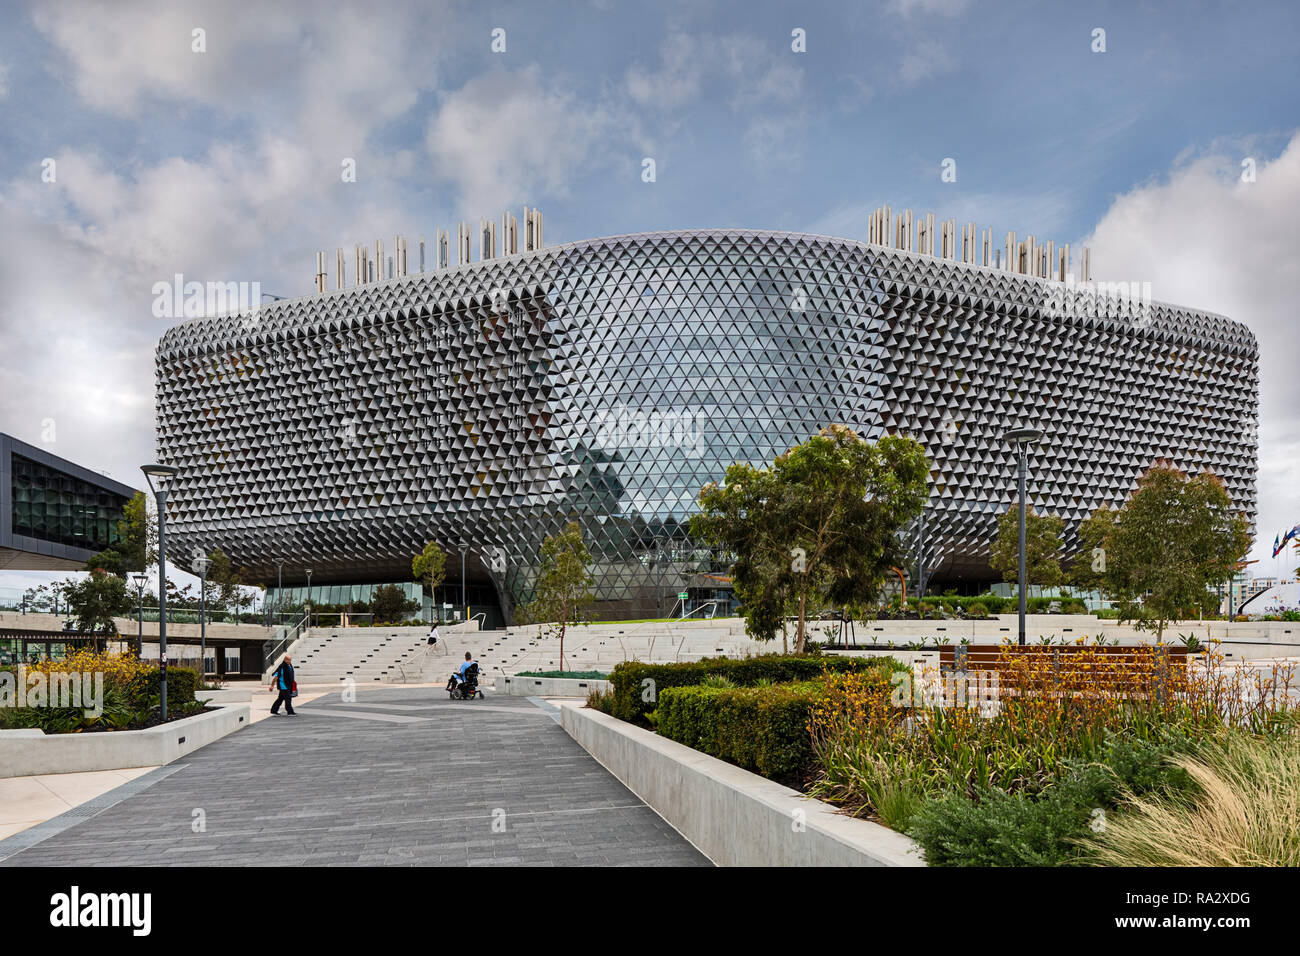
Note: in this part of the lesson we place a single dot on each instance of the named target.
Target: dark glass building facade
(54, 514)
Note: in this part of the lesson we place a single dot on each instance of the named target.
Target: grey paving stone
(318, 791)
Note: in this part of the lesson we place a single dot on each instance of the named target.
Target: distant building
(54, 514)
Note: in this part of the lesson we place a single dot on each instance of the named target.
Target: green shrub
(181, 685)
(602, 701)
(977, 609)
(763, 729)
(633, 698)
(1050, 828)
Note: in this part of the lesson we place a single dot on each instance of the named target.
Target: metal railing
(275, 649)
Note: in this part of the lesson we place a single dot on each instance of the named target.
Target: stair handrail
(276, 649)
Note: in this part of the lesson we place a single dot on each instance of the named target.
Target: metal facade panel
(606, 381)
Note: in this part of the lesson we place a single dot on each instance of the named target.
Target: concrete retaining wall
(22, 756)
(734, 817)
(549, 686)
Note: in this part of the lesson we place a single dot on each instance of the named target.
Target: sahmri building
(486, 404)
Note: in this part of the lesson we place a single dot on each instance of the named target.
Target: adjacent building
(54, 514)
(604, 382)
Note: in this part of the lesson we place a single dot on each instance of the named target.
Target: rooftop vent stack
(487, 239)
(929, 233)
(997, 258)
(1011, 251)
(340, 274)
(379, 259)
(444, 249)
(532, 229)
(509, 234)
(923, 235)
(1049, 258)
(399, 269)
(320, 271)
(388, 274)
(421, 253)
(1063, 262)
(370, 268)
(462, 243)
(886, 222)
(1085, 265)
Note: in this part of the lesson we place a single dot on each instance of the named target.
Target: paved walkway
(400, 776)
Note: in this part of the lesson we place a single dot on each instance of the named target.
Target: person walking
(433, 635)
(282, 680)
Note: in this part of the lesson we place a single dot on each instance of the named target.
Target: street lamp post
(920, 559)
(201, 565)
(279, 591)
(140, 580)
(159, 477)
(308, 601)
(1023, 438)
(463, 608)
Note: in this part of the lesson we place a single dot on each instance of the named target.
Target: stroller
(465, 688)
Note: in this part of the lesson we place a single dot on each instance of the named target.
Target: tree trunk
(803, 607)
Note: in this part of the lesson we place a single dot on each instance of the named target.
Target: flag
(1277, 545)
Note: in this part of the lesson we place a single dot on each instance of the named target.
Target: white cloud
(1205, 239)
(926, 58)
(506, 138)
(677, 80)
(928, 8)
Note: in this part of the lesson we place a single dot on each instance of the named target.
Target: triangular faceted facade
(606, 381)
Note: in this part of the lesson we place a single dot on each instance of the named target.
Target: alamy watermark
(1075, 299)
(621, 428)
(190, 300)
(61, 689)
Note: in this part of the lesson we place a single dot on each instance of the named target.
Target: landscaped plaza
(667, 445)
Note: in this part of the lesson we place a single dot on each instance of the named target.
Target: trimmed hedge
(181, 685)
(997, 605)
(763, 729)
(632, 698)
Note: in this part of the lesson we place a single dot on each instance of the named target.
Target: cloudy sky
(225, 163)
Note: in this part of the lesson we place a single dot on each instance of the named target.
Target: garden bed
(1050, 764)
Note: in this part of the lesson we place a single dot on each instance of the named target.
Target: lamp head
(1024, 436)
(159, 476)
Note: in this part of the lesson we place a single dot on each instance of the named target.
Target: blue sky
(224, 164)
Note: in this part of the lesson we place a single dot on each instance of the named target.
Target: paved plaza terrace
(396, 777)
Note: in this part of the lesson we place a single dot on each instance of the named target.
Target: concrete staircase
(367, 655)
(400, 655)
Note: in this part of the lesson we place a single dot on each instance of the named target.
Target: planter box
(732, 816)
(231, 695)
(549, 686)
(28, 754)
